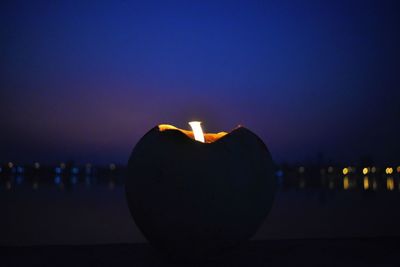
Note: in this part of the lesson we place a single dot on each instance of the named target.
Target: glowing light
(112, 166)
(365, 171)
(345, 171)
(10, 165)
(330, 169)
(301, 169)
(374, 185)
(57, 170)
(20, 169)
(208, 137)
(389, 170)
(197, 131)
(57, 180)
(373, 169)
(390, 183)
(366, 183)
(36, 165)
(346, 183)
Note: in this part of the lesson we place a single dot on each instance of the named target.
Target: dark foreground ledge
(296, 252)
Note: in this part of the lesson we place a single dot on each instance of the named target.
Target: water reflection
(68, 176)
(366, 183)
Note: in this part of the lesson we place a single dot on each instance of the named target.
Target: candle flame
(208, 137)
(197, 131)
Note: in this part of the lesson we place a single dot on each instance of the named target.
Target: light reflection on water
(58, 182)
(92, 209)
(299, 181)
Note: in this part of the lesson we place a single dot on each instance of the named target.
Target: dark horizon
(84, 82)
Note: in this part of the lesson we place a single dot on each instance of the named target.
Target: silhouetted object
(196, 200)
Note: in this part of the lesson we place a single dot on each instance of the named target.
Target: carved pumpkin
(195, 200)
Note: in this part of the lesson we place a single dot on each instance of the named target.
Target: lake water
(91, 211)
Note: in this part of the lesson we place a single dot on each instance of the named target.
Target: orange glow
(208, 137)
(366, 183)
(390, 183)
(389, 170)
(345, 171)
(346, 183)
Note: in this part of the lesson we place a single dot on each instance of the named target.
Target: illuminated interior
(208, 137)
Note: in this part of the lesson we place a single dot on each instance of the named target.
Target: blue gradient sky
(85, 81)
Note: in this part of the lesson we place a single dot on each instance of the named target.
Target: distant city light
(57, 170)
(301, 169)
(346, 183)
(390, 183)
(75, 170)
(389, 170)
(373, 169)
(365, 177)
(374, 184)
(20, 169)
(57, 180)
(112, 166)
(366, 182)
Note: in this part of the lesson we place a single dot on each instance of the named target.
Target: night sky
(85, 81)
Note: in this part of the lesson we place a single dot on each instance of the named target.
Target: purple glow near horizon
(86, 82)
